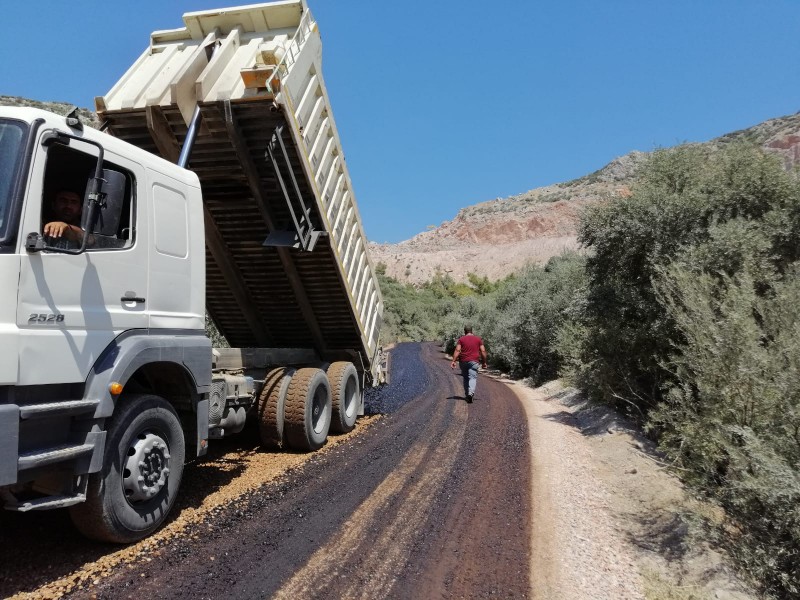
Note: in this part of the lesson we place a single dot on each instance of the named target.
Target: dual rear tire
(272, 406)
(297, 408)
(346, 396)
(307, 416)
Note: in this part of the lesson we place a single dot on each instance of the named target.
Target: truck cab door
(71, 307)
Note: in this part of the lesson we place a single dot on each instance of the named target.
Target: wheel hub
(146, 467)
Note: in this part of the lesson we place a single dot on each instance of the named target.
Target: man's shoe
(469, 398)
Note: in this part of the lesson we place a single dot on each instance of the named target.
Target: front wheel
(142, 467)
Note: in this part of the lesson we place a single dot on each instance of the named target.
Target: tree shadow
(665, 534)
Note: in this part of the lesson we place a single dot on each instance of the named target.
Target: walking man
(469, 352)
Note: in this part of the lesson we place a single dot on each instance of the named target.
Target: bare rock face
(779, 136)
(497, 237)
(86, 116)
(788, 147)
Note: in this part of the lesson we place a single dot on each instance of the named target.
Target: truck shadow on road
(41, 547)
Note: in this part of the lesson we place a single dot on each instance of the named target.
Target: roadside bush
(217, 339)
(409, 314)
(731, 420)
(527, 314)
(431, 311)
(691, 323)
(719, 210)
(517, 317)
(475, 310)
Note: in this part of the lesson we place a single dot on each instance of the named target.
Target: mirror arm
(35, 241)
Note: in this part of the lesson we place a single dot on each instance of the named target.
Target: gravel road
(431, 500)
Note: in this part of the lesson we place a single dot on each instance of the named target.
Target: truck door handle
(137, 299)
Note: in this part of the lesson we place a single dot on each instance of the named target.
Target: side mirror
(108, 213)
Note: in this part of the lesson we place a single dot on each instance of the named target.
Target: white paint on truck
(107, 380)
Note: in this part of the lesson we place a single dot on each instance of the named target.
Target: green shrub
(217, 339)
(527, 314)
(719, 210)
(517, 317)
(731, 420)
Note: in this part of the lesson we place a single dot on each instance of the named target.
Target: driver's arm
(59, 229)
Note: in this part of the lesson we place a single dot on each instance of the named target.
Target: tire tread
(93, 518)
(295, 414)
(271, 424)
(336, 375)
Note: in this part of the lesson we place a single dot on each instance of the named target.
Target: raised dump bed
(287, 263)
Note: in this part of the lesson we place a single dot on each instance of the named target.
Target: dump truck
(216, 186)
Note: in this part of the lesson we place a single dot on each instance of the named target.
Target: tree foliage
(685, 313)
(517, 317)
(720, 209)
(691, 323)
(731, 419)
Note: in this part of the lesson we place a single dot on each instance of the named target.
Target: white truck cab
(108, 382)
(125, 309)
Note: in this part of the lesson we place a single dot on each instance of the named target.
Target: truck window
(12, 134)
(66, 175)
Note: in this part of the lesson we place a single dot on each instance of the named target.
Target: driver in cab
(67, 207)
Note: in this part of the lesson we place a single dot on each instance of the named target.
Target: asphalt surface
(431, 501)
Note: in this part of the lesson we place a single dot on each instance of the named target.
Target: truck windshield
(12, 139)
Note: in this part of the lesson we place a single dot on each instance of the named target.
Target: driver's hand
(55, 229)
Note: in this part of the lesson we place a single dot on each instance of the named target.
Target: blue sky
(443, 104)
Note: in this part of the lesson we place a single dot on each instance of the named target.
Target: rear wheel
(142, 467)
(271, 403)
(345, 393)
(307, 415)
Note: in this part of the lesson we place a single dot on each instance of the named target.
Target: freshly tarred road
(433, 501)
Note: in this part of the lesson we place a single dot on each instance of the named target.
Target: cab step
(57, 409)
(46, 503)
(48, 456)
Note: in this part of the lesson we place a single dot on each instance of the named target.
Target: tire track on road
(431, 501)
(406, 495)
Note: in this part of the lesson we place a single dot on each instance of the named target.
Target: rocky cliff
(500, 236)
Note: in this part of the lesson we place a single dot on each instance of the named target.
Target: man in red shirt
(469, 351)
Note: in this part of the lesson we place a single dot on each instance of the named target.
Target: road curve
(431, 501)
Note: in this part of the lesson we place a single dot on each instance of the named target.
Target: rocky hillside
(500, 236)
(87, 116)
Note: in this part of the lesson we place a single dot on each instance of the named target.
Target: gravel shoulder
(608, 517)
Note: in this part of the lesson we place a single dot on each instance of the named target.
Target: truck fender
(190, 350)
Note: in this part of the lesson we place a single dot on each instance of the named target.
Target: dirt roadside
(607, 514)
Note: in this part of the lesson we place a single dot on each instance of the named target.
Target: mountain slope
(87, 116)
(500, 236)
